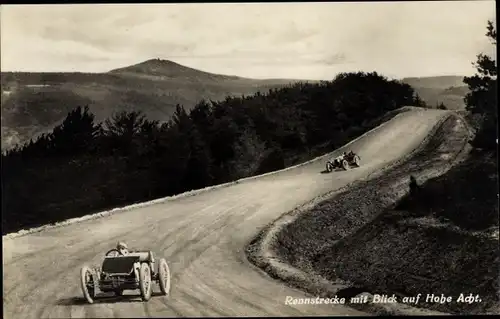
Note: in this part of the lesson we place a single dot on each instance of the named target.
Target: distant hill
(450, 90)
(33, 103)
(166, 69)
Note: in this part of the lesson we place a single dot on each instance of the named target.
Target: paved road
(203, 238)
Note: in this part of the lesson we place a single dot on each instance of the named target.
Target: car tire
(88, 283)
(357, 160)
(145, 281)
(164, 277)
(345, 165)
(328, 167)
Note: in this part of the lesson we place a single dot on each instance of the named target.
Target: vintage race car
(130, 272)
(343, 161)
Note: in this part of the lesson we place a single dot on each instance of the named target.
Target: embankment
(324, 247)
(442, 240)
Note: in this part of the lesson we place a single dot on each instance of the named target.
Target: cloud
(333, 59)
(301, 40)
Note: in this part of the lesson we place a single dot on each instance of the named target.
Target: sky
(257, 40)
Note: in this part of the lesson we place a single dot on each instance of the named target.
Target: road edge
(260, 253)
(24, 232)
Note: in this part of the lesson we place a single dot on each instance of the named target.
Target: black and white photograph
(280, 159)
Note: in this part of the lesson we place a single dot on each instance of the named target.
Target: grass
(466, 196)
(441, 240)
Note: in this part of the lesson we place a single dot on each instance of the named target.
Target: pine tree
(482, 99)
(74, 136)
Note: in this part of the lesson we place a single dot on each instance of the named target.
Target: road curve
(203, 238)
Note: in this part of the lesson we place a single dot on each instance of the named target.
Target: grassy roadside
(337, 238)
(440, 240)
(335, 218)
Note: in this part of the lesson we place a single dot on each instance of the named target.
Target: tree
(201, 115)
(194, 154)
(481, 99)
(75, 135)
(249, 151)
(418, 101)
(198, 168)
(124, 124)
(122, 128)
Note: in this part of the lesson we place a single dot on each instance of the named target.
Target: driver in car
(122, 249)
(340, 157)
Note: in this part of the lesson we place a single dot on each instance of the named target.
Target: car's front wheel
(328, 167)
(88, 283)
(145, 281)
(356, 160)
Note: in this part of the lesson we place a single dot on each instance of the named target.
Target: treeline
(83, 166)
(481, 102)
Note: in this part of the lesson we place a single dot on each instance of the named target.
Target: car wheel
(88, 284)
(345, 165)
(145, 281)
(328, 167)
(164, 277)
(356, 160)
(118, 292)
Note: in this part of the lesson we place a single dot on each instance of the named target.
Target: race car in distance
(135, 270)
(344, 161)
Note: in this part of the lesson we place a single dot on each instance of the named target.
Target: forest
(83, 167)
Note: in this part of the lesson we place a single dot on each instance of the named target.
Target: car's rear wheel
(88, 283)
(145, 281)
(345, 165)
(164, 276)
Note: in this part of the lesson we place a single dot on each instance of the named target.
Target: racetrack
(203, 238)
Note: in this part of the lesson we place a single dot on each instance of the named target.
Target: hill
(34, 103)
(449, 90)
(169, 69)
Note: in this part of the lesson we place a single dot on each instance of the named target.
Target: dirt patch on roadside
(311, 242)
(441, 240)
(397, 254)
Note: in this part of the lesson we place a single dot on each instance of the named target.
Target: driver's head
(122, 248)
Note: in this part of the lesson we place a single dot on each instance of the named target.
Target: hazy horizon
(309, 41)
(269, 78)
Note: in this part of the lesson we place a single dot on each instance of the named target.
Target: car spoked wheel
(328, 167)
(345, 165)
(164, 277)
(88, 284)
(356, 160)
(145, 281)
